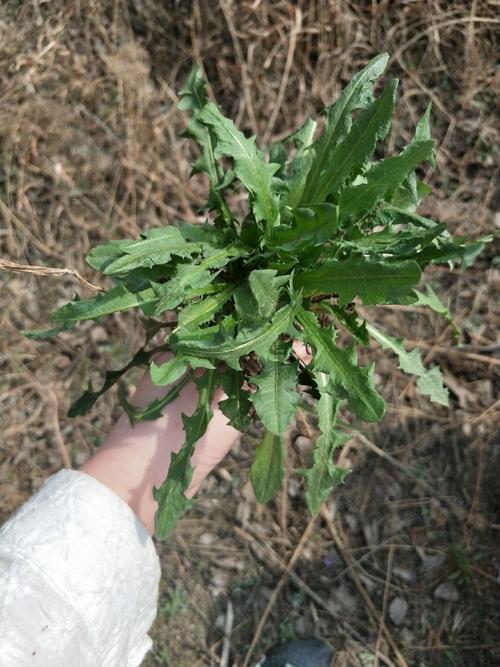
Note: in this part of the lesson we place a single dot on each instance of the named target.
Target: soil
(402, 567)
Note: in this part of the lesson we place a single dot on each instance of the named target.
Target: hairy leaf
(174, 368)
(301, 162)
(328, 224)
(381, 180)
(432, 301)
(349, 319)
(172, 293)
(423, 130)
(46, 332)
(194, 98)
(102, 255)
(265, 287)
(312, 226)
(257, 297)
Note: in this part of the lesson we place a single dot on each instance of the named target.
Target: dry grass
(91, 150)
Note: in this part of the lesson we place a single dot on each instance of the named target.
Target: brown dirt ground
(90, 151)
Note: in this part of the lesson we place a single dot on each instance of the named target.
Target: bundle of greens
(327, 228)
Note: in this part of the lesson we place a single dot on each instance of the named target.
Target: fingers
(212, 447)
(302, 351)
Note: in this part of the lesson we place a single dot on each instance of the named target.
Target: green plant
(326, 227)
(175, 601)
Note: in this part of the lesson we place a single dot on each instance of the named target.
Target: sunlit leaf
(430, 382)
(253, 171)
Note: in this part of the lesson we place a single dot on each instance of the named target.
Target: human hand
(134, 459)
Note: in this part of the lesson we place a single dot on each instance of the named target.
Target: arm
(78, 571)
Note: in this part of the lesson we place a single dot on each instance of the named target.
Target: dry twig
(284, 578)
(7, 265)
(376, 616)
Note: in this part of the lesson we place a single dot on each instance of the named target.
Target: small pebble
(398, 608)
(446, 591)
(99, 334)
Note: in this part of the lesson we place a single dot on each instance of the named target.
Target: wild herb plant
(327, 227)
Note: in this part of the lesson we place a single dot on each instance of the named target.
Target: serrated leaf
(204, 233)
(204, 310)
(256, 298)
(276, 398)
(268, 469)
(324, 475)
(410, 193)
(171, 370)
(403, 217)
(447, 249)
(313, 225)
(357, 95)
(237, 404)
(230, 350)
(244, 302)
(349, 319)
(155, 249)
(116, 299)
(374, 282)
(430, 382)
(432, 301)
(252, 170)
(341, 365)
(302, 138)
(431, 385)
(194, 98)
(423, 130)
(83, 404)
(265, 287)
(154, 409)
(473, 250)
(105, 253)
(301, 163)
(172, 293)
(400, 244)
(171, 498)
(192, 95)
(381, 180)
(355, 149)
